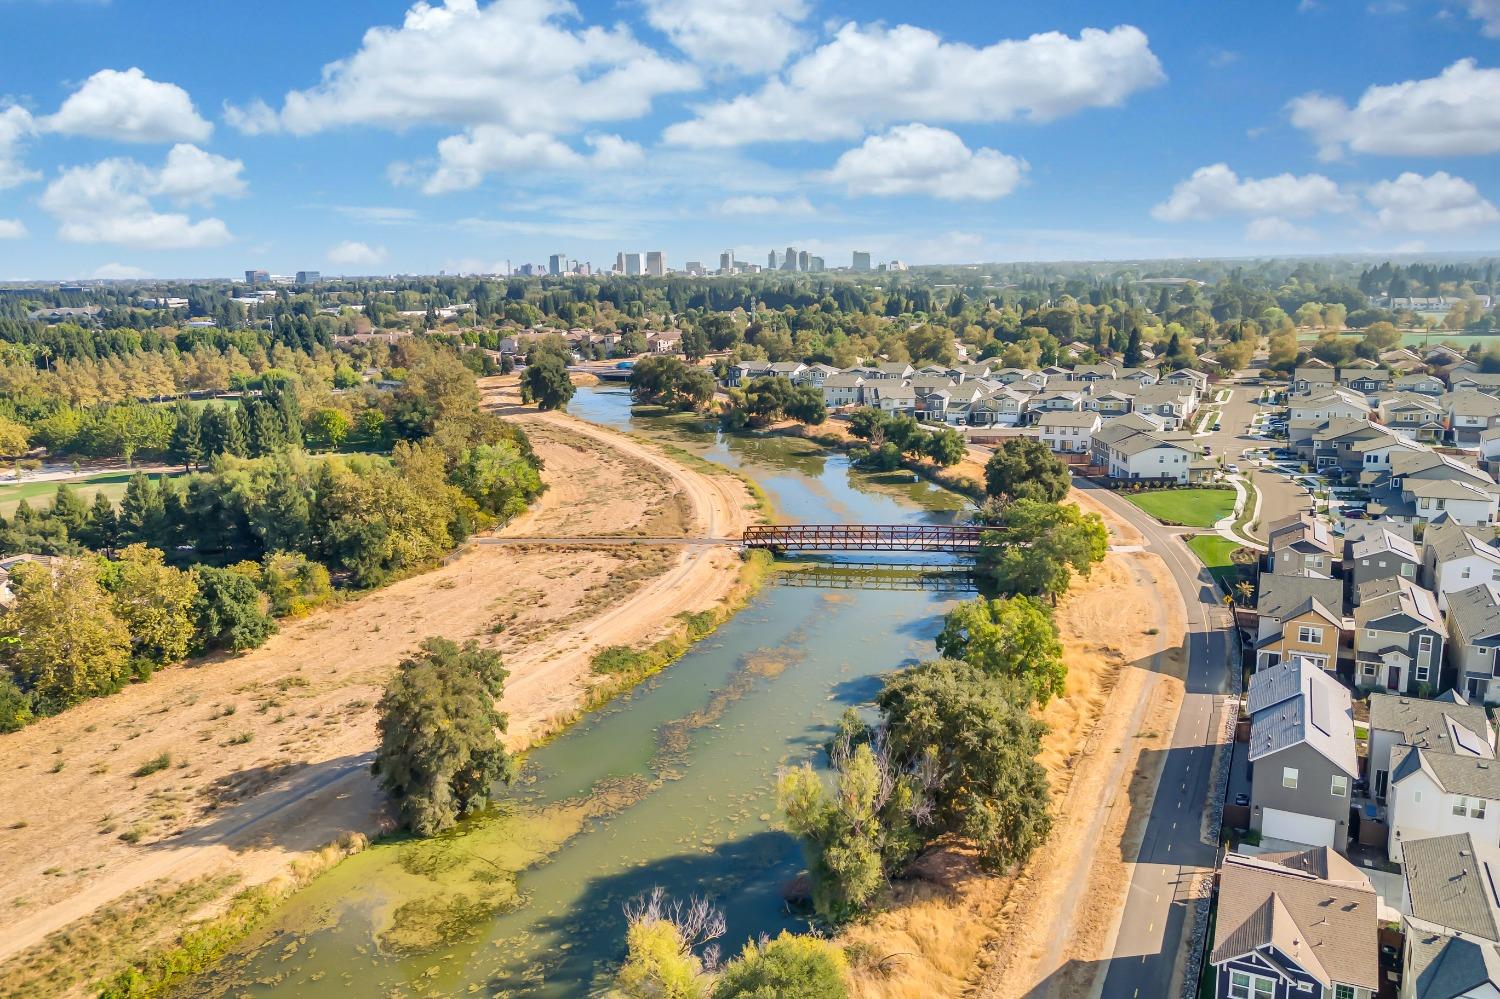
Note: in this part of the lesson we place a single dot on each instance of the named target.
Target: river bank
(270, 751)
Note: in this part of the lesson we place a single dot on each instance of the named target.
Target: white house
(1452, 929)
(1433, 793)
(1334, 404)
(843, 390)
(1070, 433)
(1151, 456)
(1455, 558)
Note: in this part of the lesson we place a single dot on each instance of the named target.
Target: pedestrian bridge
(957, 539)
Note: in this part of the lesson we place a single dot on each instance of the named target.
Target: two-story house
(1144, 455)
(1433, 793)
(1456, 557)
(1447, 723)
(1417, 417)
(1473, 641)
(1375, 550)
(1470, 413)
(1302, 755)
(1451, 936)
(1338, 404)
(1069, 433)
(1398, 641)
(842, 390)
(1295, 925)
(1313, 378)
(1298, 615)
(1303, 542)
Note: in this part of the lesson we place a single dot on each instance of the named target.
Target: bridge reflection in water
(853, 575)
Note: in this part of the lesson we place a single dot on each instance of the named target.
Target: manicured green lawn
(1218, 555)
(1189, 507)
(39, 494)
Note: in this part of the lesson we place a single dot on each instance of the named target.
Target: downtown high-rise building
(772, 261)
(861, 261)
(656, 263)
(816, 265)
(804, 261)
(557, 264)
(789, 262)
(726, 262)
(633, 265)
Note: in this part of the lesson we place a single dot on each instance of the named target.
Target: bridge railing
(865, 537)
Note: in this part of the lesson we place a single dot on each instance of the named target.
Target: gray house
(1301, 543)
(1473, 641)
(1295, 925)
(1398, 641)
(1302, 756)
(1448, 723)
(1377, 550)
(1452, 948)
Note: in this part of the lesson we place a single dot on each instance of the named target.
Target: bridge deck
(956, 538)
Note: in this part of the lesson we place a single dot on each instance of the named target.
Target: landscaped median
(1185, 507)
(1217, 553)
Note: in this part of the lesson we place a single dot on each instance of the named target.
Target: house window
(1369, 632)
(1243, 986)
(1464, 574)
(1483, 650)
(1460, 806)
(1308, 635)
(1422, 673)
(1424, 642)
(1369, 669)
(1316, 561)
(1289, 777)
(1343, 992)
(1340, 786)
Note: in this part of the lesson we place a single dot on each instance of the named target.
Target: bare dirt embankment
(269, 752)
(955, 930)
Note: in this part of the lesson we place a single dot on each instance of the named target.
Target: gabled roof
(1285, 595)
(1301, 527)
(1383, 542)
(1407, 599)
(1326, 926)
(1475, 612)
(1452, 881)
(1068, 418)
(1467, 402)
(1477, 776)
(1448, 540)
(1444, 963)
(1295, 703)
(1447, 723)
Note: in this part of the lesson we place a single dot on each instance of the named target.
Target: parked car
(1232, 468)
(1208, 449)
(1216, 425)
(1242, 799)
(1354, 512)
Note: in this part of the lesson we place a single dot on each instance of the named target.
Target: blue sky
(173, 139)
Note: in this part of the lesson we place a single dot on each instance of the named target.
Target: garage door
(1313, 831)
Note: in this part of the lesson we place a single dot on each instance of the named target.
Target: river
(670, 786)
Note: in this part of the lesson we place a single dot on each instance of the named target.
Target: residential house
(665, 342)
(1433, 793)
(814, 375)
(1143, 455)
(891, 396)
(1379, 550)
(1003, 408)
(1056, 400)
(843, 390)
(897, 370)
(1302, 543)
(1478, 381)
(1460, 500)
(1473, 638)
(1298, 614)
(1323, 443)
(1451, 947)
(1173, 403)
(1188, 378)
(1447, 723)
(1295, 925)
(1456, 558)
(743, 371)
(1337, 404)
(1366, 382)
(1489, 451)
(1401, 359)
(1421, 384)
(1313, 378)
(1302, 756)
(1413, 416)
(1069, 433)
(1470, 413)
(1398, 641)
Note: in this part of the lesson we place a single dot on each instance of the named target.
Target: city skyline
(126, 152)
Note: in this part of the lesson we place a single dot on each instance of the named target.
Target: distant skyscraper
(815, 264)
(633, 265)
(772, 261)
(804, 261)
(253, 278)
(557, 264)
(861, 261)
(789, 263)
(693, 267)
(726, 262)
(619, 263)
(656, 263)
(308, 277)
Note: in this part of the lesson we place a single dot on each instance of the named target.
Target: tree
(1133, 354)
(1011, 637)
(60, 640)
(983, 743)
(228, 612)
(15, 705)
(1023, 468)
(14, 438)
(792, 966)
(546, 383)
(1038, 547)
(806, 406)
(102, 532)
(328, 427)
(440, 751)
(156, 603)
(294, 584)
(945, 447)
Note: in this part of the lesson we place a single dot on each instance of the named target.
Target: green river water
(671, 786)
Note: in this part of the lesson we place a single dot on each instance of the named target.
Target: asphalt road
(1280, 497)
(1154, 924)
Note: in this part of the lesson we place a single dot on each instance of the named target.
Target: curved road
(1155, 923)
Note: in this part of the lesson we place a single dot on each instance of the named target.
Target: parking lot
(1241, 441)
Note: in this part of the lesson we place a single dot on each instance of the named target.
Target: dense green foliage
(1013, 638)
(1024, 468)
(791, 966)
(892, 435)
(1036, 547)
(440, 751)
(667, 381)
(763, 401)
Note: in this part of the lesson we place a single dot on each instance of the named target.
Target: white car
(1232, 468)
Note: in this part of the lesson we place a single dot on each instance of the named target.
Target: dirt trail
(269, 752)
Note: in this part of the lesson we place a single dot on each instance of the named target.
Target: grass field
(39, 494)
(1189, 507)
(1218, 555)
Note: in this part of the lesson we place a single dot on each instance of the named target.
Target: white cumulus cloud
(756, 204)
(128, 106)
(12, 229)
(1437, 203)
(1487, 12)
(1456, 113)
(1215, 191)
(870, 76)
(750, 36)
(465, 159)
(110, 201)
(521, 64)
(355, 254)
(920, 159)
(1274, 229)
(115, 271)
(16, 125)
